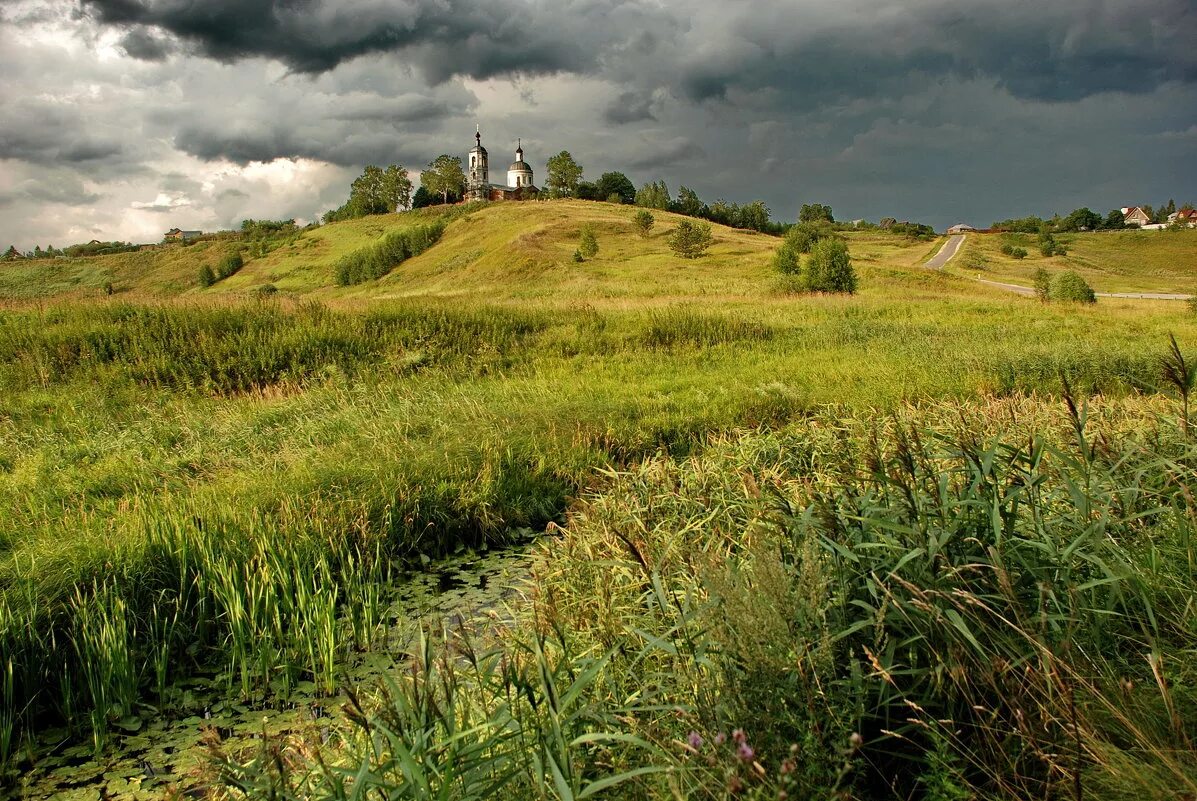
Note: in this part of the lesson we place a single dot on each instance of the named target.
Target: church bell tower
(478, 171)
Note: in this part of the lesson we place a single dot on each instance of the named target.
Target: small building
(961, 228)
(1184, 217)
(176, 235)
(1133, 215)
(519, 184)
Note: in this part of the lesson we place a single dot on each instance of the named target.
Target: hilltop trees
(612, 184)
(563, 175)
(375, 191)
(815, 212)
(445, 177)
(689, 203)
(654, 195)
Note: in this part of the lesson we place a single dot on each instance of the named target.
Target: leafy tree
(396, 187)
(1114, 221)
(724, 213)
(1048, 246)
(422, 198)
(689, 203)
(653, 196)
(37, 251)
(588, 243)
(445, 177)
(616, 183)
(588, 191)
(814, 212)
(206, 276)
(230, 264)
(788, 259)
(1070, 286)
(563, 175)
(643, 221)
(1083, 219)
(1043, 281)
(690, 240)
(830, 268)
(11, 254)
(755, 216)
(803, 236)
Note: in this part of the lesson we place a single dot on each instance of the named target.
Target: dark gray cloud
(136, 112)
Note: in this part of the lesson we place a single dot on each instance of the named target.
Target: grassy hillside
(1111, 261)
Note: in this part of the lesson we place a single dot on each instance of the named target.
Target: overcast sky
(120, 119)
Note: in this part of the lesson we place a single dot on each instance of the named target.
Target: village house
(176, 235)
(962, 228)
(1184, 217)
(1133, 215)
(519, 184)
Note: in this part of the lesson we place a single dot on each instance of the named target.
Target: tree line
(1085, 219)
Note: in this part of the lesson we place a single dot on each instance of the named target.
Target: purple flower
(720, 738)
(745, 752)
(695, 740)
(739, 736)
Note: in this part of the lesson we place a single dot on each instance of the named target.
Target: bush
(578, 257)
(803, 236)
(206, 277)
(1069, 286)
(643, 222)
(788, 260)
(588, 243)
(392, 249)
(266, 290)
(1043, 281)
(690, 240)
(1019, 253)
(229, 265)
(830, 268)
(1007, 249)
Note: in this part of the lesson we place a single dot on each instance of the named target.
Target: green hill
(503, 251)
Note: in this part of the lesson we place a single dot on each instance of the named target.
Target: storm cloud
(121, 115)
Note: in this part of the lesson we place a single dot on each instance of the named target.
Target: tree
(814, 212)
(754, 216)
(422, 198)
(230, 264)
(1083, 219)
(653, 196)
(1070, 286)
(396, 187)
(563, 175)
(1114, 220)
(444, 176)
(12, 254)
(587, 191)
(643, 221)
(588, 243)
(724, 213)
(690, 240)
(830, 268)
(689, 203)
(788, 259)
(802, 237)
(616, 183)
(206, 277)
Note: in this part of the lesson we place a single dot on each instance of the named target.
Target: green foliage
(12, 254)
(229, 265)
(754, 216)
(653, 196)
(1042, 283)
(206, 276)
(577, 257)
(616, 184)
(562, 175)
(1018, 253)
(1023, 225)
(830, 268)
(375, 191)
(690, 240)
(392, 249)
(643, 221)
(1070, 286)
(588, 243)
(1083, 219)
(689, 203)
(445, 177)
(1114, 221)
(815, 213)
(267, 229)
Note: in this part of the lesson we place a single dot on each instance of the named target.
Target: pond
(165, 750)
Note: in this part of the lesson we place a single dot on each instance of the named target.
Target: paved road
(946, 253)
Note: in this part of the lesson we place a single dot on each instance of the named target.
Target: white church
(519, 184)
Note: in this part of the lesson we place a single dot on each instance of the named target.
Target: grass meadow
(929, 540)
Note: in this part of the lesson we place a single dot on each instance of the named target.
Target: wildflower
(695, 740)
(739, 736)
(856, 741)
(788, 766)
(720, 738)
(745, 752)
(734, 785)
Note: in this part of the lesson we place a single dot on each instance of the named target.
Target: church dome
(519, 166)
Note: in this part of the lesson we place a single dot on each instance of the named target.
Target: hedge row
(373, 262)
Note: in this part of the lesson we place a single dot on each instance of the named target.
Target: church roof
(519, 166)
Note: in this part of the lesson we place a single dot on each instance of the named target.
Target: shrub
(266, 290)
(578, 256)
(803, 236)
(1043, 280)
(830, 268)
(588, 243)
(643, 222)
(392, 249)
(690, 240)
(229, 265)
(1008, 249)
(1019, 253)
(788, 259)
(206, 277)
(1070, 286)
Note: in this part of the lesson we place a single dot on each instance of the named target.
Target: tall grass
(991, 601)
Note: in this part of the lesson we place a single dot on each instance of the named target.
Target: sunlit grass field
(172, 459)
(1111, 261)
